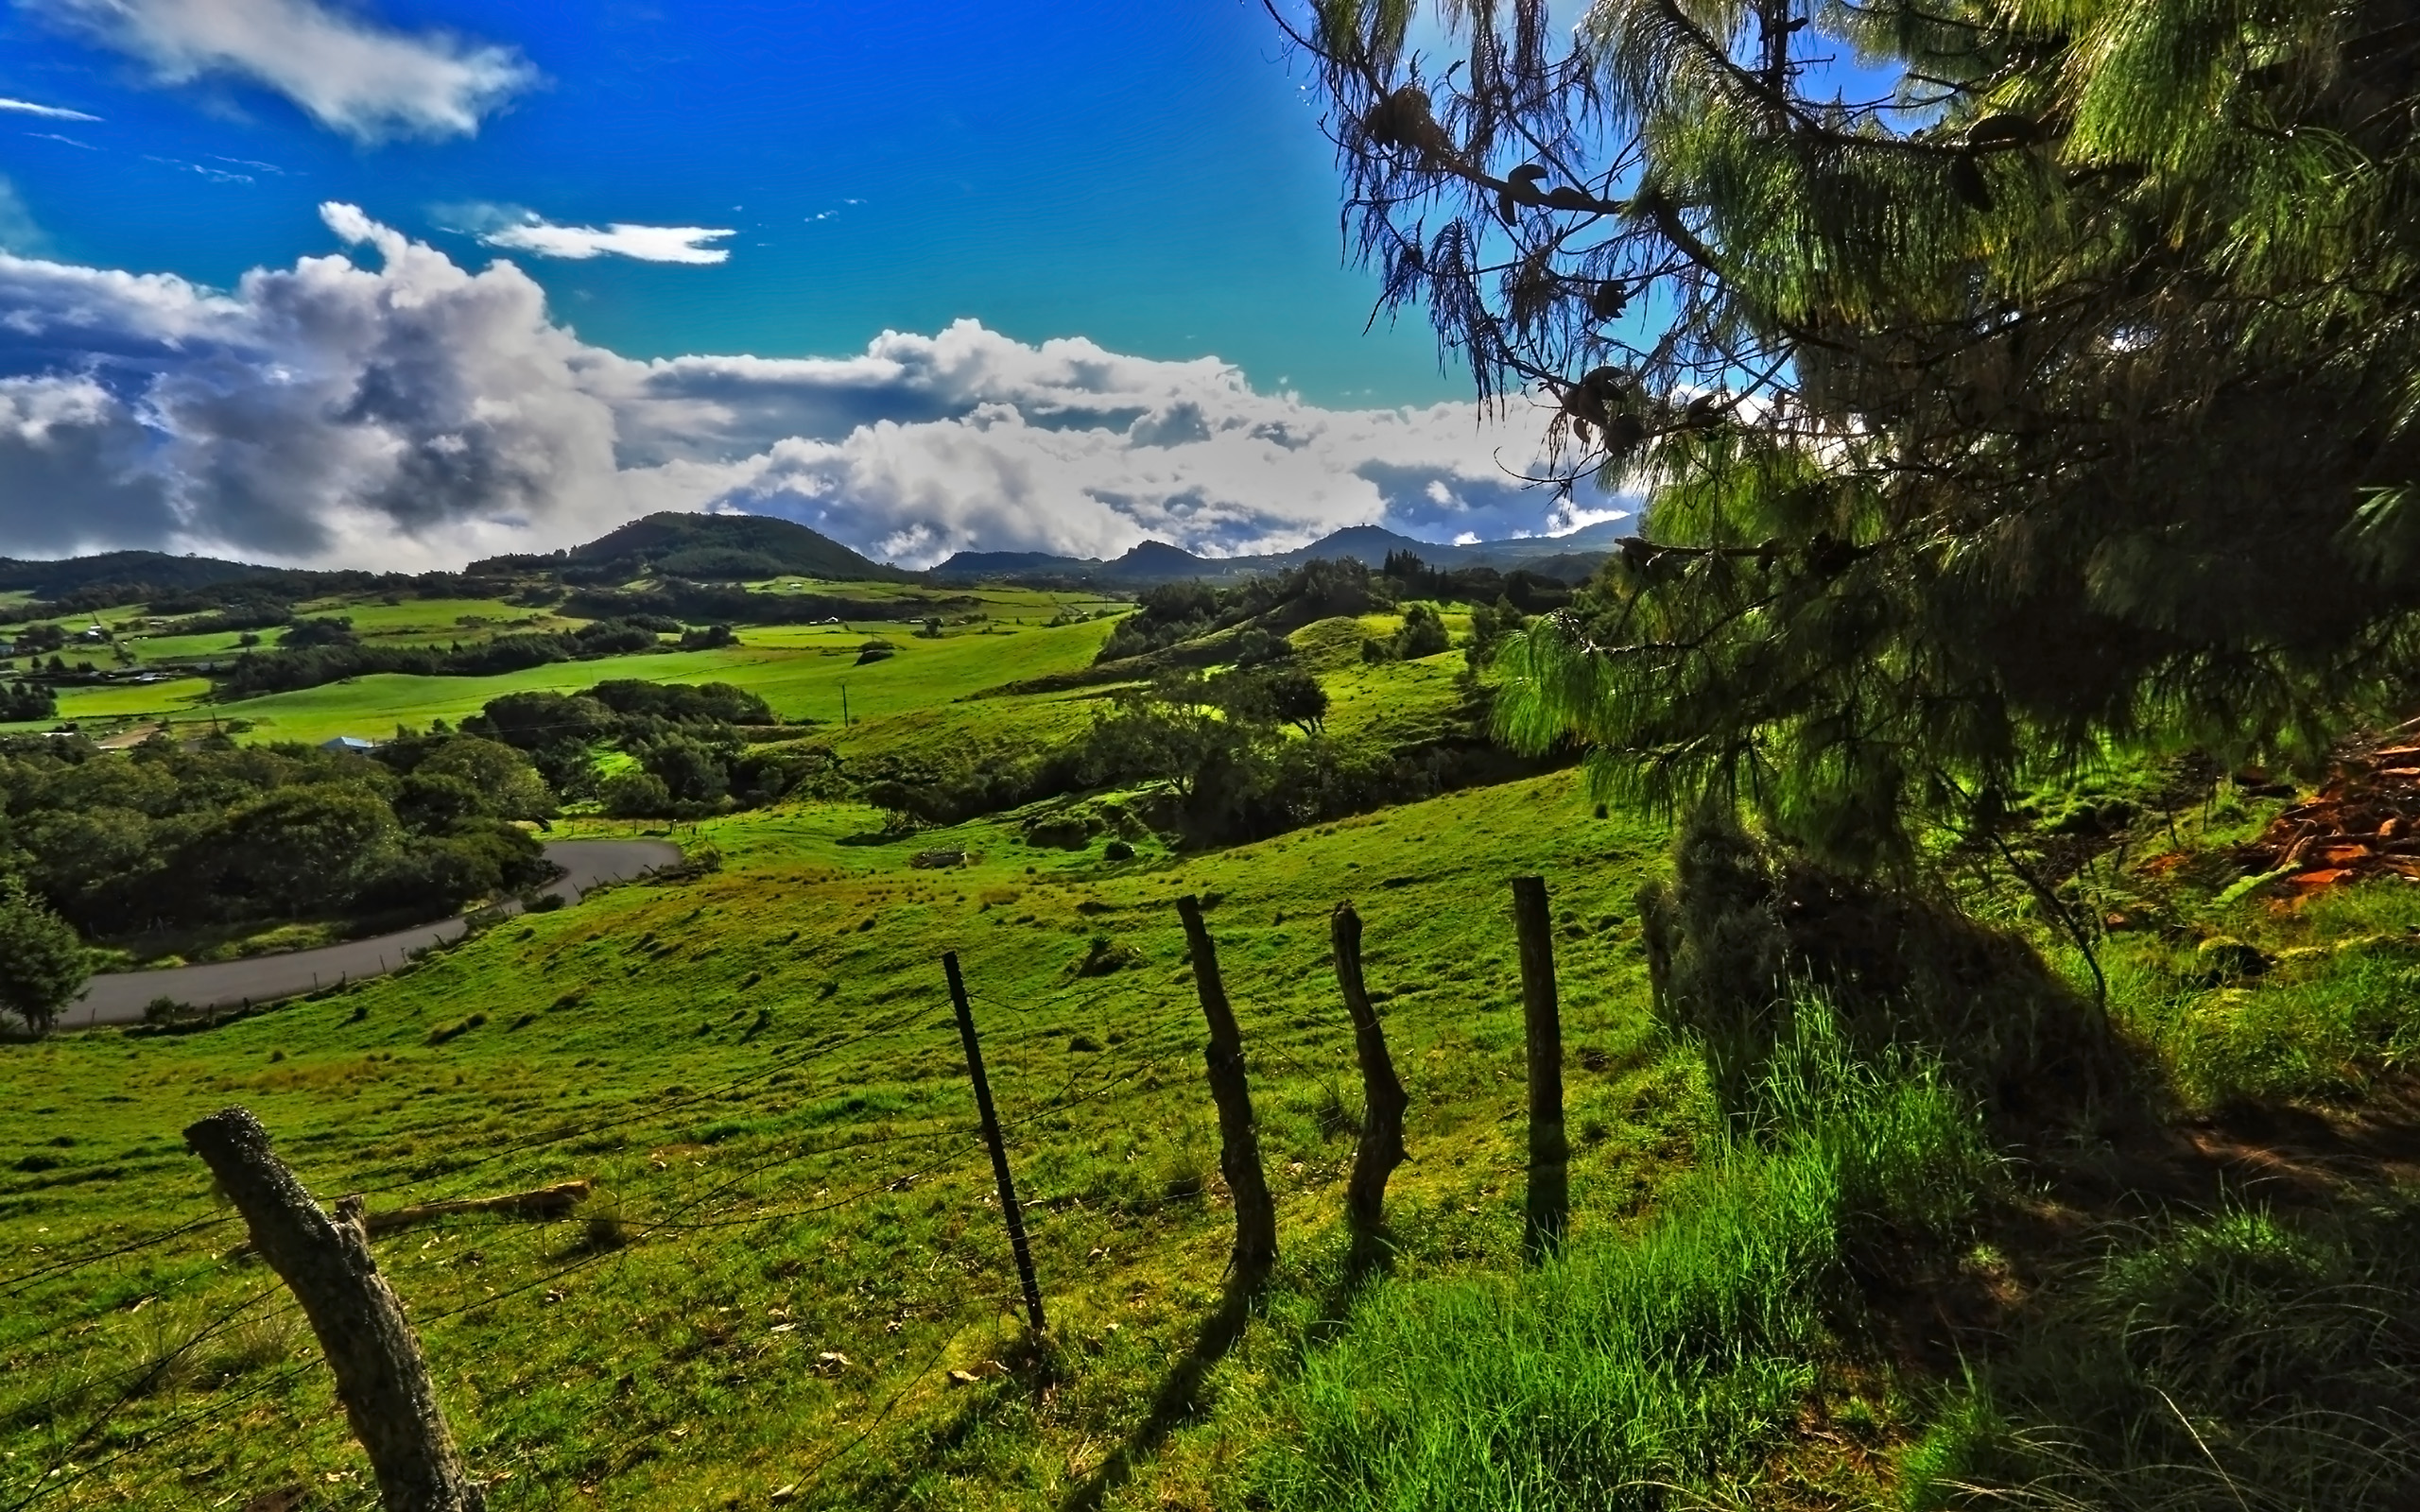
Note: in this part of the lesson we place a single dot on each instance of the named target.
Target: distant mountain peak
(1154, 553)
(735, 545)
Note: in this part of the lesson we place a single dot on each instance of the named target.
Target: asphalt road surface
(120, 997)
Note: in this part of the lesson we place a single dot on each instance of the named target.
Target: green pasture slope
(792, 1287)
(775, 1039)
(798, 668)
(801, 676)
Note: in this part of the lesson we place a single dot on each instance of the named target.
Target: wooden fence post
(1255, 1253)
(327, 1263)
(1008, 1210)
(1549, 1187)
(1382, 1095)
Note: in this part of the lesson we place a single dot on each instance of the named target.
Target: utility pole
(844, 706)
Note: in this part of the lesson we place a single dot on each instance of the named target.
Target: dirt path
(120, 997)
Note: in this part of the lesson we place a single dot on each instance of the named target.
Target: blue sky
(1144, 175)
(398, 283)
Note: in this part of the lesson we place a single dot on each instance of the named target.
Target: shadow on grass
(1368, 1260)
(1176, 1401)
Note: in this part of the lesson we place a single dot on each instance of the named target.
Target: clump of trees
(35, 639)
(1172, 613)
(729, 603)
(1239, 754)
(27, 700)
(1530, 593)
(689, 746)
(166, 838)
(1422, 633)
(1246, 754)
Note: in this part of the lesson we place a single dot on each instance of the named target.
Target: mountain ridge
(1156, 562)
(748, 546)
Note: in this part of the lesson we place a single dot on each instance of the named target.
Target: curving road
(120, 997)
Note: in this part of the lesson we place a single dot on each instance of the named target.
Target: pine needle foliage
(2061, 395)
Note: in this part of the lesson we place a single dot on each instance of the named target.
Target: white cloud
(524, 230)
(48, 111)
(206, 170)
(348, 72)
(415, 413)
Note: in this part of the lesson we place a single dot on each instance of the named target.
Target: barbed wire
(152, 1374)
(14, 1285)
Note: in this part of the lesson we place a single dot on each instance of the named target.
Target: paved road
(120, 997)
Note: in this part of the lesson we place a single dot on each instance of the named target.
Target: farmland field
(798, 668)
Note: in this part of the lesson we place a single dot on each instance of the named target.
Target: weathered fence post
(1008, 1210)
(1255, 1253)
(327, 1263)
(1382, 1095)
(1549, 1191)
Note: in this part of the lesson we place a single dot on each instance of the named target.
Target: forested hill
(56, 579)
(697, 548)
(729, 547)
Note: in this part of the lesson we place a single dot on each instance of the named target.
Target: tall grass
(1634, 1366)
(2243, 1363)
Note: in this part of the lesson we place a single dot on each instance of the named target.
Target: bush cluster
(171, 838)
(27, 700)
(692, 758)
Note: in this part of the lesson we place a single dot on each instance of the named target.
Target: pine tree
(2060, 398)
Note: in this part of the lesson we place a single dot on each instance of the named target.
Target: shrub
(1423, 633)
(1744, 929)
(42, 961)
(636, 795)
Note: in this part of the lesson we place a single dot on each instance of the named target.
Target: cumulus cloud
(52, 112)
(348, 72)
(525, 230)
(388, 407)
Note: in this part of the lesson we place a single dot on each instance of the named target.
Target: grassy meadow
(2189, 1286)
(800, 669)
(775, 1039)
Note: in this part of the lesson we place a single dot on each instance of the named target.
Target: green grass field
(798, 669)
(746, 1035)
(791, 1285)
(802, 678)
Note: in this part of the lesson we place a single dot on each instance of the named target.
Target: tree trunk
(1255, 1253)
(1382, 1095)
(1549, 1195)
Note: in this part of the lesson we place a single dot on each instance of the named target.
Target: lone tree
(2060, 395)
(42, 965)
